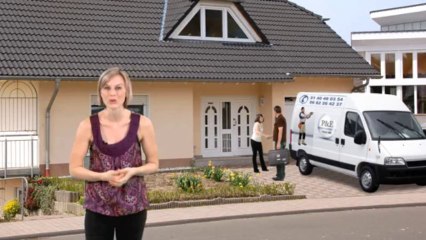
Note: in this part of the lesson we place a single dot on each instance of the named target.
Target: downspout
(367, 81)
(47, 126)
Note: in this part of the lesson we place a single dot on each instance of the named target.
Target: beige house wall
(170, 109)
(8, 190)
(174, 108)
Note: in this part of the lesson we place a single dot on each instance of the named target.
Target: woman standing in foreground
(115, 194)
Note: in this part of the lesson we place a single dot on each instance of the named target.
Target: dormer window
(216, 22)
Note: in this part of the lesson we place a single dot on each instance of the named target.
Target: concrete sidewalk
(73, 225)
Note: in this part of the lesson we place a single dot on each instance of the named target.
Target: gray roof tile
(79, 39)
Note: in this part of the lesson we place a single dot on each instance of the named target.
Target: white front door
(226, 126)
(243, 122)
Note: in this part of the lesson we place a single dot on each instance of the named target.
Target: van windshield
(392, 125)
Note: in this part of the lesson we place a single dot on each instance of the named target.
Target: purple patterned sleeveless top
(103, 198)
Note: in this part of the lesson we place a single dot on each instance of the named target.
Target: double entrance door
(226, 126)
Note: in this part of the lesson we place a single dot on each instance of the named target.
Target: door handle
(342, 141)
(234, 122)
(337, 141)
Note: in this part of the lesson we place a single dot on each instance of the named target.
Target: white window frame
(225, 8)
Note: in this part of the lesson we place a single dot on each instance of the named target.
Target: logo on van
(304, 99)
(326, 126)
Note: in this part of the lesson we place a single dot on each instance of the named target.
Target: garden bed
(196, 187)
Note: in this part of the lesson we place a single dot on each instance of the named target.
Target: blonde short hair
(107, 75)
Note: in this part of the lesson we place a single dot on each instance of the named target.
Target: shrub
(41, 194)
(45, 197)
(72, 185)
(41, 191)
(189, 183)
(30, 203)
(10, 209)
(239, 179)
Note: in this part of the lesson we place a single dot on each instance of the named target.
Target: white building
(398, 51)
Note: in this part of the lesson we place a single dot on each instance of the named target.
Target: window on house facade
(376, 61)
(216, 22)
(226, 115)
(408, 97)
(234, 31)
(405, 26)
(421, 99)
(390, 90)
(213, 25)
(139, 104)
(421, 65)
(387, 90)
(376, 89)
(193, 27)
(390, 65)
(407, 65)
(413, 96)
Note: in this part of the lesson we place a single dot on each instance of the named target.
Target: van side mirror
(360, 137)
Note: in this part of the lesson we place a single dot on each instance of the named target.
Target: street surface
(374, 224)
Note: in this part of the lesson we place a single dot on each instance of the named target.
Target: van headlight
(394, 161)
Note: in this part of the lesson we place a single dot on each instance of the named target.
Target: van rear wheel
(368, 179)
(305, 167)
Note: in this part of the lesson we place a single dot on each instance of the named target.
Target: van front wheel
(305, 168)
(368, 179)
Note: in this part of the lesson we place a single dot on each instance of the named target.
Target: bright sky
(348, 16)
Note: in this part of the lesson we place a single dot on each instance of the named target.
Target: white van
(373, 137)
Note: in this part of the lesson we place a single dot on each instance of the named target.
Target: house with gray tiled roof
(201, 70)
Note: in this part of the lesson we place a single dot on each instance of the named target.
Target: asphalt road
(375, 224)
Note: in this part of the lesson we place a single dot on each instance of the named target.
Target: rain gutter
(47, 127)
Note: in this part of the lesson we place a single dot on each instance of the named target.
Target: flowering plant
(239, 179)
(189, 183)
(10, 209)
(211, 172)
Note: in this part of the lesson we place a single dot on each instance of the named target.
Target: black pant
(101, 227)
(302, 133)
(257, 147)
(281, 167)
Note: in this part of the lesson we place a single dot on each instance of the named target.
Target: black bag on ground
(278, 157)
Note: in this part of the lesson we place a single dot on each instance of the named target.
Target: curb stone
(219, 201)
